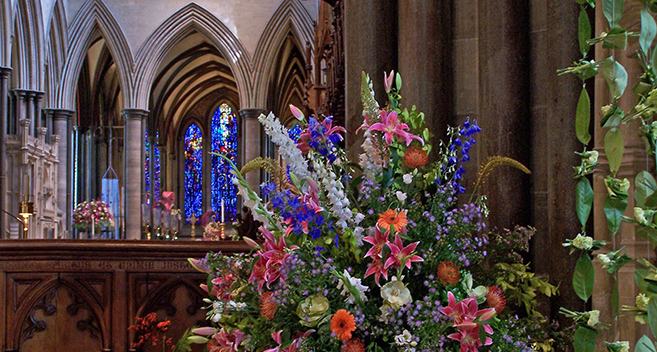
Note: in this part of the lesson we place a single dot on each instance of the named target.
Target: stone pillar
(133, 170)
(250, 140)
(425, 26)
(61, 127)
(553, 34)
(21, 108)
(371, 26)
(4, 80)
(36, 106)
(30, 97)
(504, 106)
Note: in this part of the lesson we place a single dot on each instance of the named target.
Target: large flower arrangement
(95, 212)
(375, 256)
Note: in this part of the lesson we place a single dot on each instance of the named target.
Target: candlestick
(223, 210)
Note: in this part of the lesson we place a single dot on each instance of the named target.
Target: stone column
(250, 140)
(133, 170)
(36, 105)
(504, 102)
(30, 97)
(61, 127)
(371, 26)
(553, 34)
(21, 108)
(425, 61)
(4, 80)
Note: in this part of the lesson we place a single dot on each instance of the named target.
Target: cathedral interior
(127, 101)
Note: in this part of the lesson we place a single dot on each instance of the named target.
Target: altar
(77, 295)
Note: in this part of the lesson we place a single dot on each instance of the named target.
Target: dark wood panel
(76, 295)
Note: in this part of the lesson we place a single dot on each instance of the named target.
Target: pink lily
(311, 196)
(296, 112)
(378, 241)
(377, 268)
(387, 80)
(466, 310)
(401, 255)
(279, 340)
(229, 340)
(390, 126)
(469, 339)
(267, 269)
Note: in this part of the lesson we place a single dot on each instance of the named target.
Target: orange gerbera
(495, 298)
(342, 324)
(353, 345)
(392, 218)
(267, 306)
(448, 273)
(415, 157)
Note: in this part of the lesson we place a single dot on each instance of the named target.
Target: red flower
(415, 157)
(448, 273)
(343, 324)
(353, 345)
(495, 298)
(267, 305)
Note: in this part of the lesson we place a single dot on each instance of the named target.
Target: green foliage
(613, 11)
(614, 147)
(584, 32)
(522, 286)
(615, 75)
(648, 31)
(583, 117)
(585, 339)
(614, 209)
(645, 345)
(583, 277)
(584, 200)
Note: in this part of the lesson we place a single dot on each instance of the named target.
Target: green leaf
(583, 200)
(613, 10)
(615, 39)
(653, 58)
(583, 32)
(615, 75)
(648, 233)
(583, 277)
(614, 149)
(583, 117)
(584, 339)
(644, 186)
(644, 345)
(590, 2)
(614, 209)
(652, 315)
(648, 30)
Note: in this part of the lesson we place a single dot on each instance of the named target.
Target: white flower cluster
(406, 340)
(218, 308)
(287, 147)
(583, 242)
(368, 160)
(335, 193)
(356, 283)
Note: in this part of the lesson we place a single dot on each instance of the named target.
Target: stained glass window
(294, 132)
(156, 165)
(224, 141)
(193, 171)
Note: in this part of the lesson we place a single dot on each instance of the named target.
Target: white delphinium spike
(288, 150)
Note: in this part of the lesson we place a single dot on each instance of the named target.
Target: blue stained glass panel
(193, 172)
(224, 141)
(156, 165)
(294, 132)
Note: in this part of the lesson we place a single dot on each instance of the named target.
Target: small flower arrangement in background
(95, 212)
(149, 331)
(375, 256)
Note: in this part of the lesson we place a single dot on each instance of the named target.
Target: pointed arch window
(224, 141)
(193, 171)
(156, 166)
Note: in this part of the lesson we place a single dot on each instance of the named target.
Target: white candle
(222, 211)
